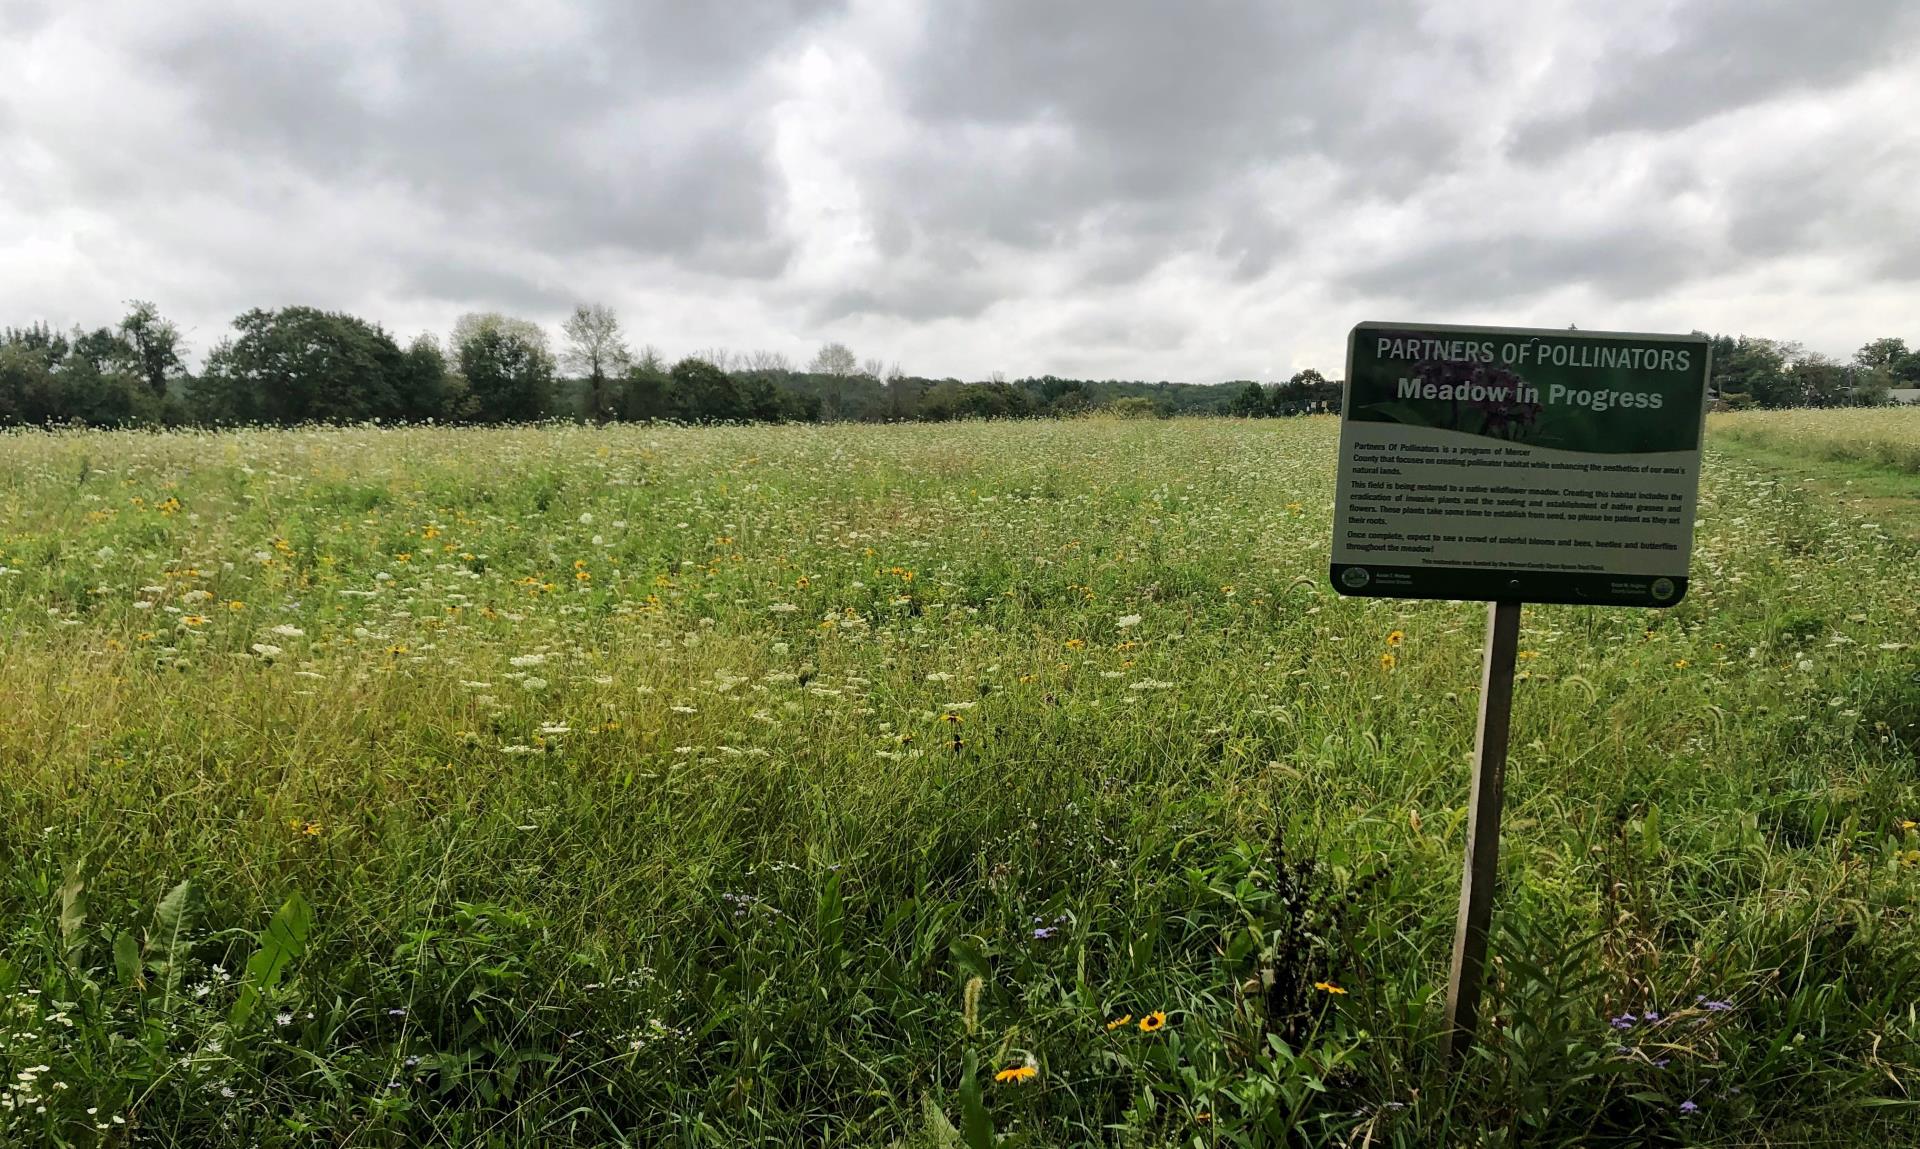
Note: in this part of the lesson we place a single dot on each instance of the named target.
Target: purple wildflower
(1624, 1021)
(1689, 1107)
(1042, 933)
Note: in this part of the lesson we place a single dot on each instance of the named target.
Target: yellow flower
(194, 619)
(1396, 638)
(236, 604)
(1116, 1023)
(1909, 825)
(311, 829)
(1387, 660)
(582, 576)
(1679, 664)
(1329, 987)
(1153, 1021)
(1017, 1073)
(950, 716)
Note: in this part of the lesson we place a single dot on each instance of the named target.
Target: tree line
(302, 365)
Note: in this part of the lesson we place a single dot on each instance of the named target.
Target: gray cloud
(1124, 187)
(1725, 54)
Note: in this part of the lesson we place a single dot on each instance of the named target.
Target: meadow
(1016, 783)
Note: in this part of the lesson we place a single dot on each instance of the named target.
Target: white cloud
(1116, 189)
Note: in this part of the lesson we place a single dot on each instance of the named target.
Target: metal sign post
(1483, 828)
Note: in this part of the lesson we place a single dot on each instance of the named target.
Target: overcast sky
(1112, 188)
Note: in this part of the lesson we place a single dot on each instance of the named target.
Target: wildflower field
(917, 786)
(1874, 435)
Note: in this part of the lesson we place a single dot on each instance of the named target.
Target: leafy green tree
(645, 394)
(702, 393)
(1817, 381)
(83, 376)
(598, 353)
(1137, 407)
(155, 345)
(1757, 369)
(421, 384)
(1250, 401)
(1893, 357)
(28, 393)
(507, 369)
(301, 364)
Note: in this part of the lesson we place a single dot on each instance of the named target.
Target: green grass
(777, 786)
(1862, 481)
(1875, 436)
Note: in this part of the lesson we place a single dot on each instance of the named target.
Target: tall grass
(784, 785)
(1882, 436)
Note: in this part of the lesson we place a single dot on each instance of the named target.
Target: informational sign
(1519, 465)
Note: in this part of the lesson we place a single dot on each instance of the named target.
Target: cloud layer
(1111, 188)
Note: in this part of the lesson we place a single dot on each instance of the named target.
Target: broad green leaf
(976, 1124)
(167, 944)
(126, 960)
(279, 948)
(73, 903)
(281, 945)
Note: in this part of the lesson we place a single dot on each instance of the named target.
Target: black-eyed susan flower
(1123, 1020)
(1015, 1074)
(1395, 638)
(1329, 987)
(1387, 660)
(1153, 1021)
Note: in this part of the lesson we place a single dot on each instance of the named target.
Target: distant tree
(1817, 381)
(506, 365)
(1869, 386)
(597, 352)
(768, 363)
(421, 383)
(301, 364)
(703, 393)
(97, 383)
(834, 364)
(719, 357)
(645, 395)
(1755, 369)
(1137, 407)
(834, 359)
(903, 394)
(1891, 356)
(994, 399)
(155, 344)
(1251, 400)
